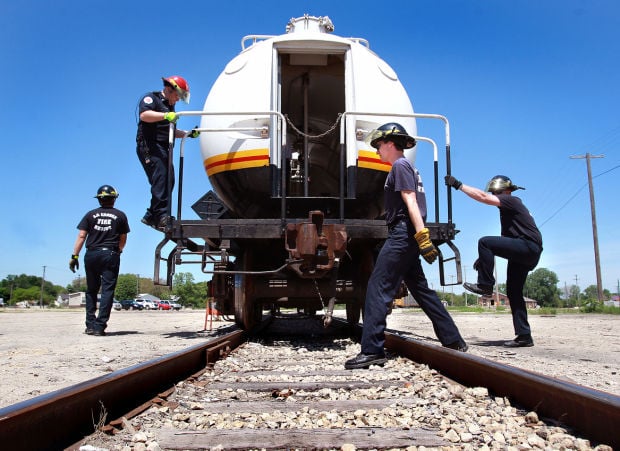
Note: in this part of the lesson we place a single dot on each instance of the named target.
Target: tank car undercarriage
(261, 265)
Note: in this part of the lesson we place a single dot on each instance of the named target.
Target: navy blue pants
(398, 260)
(522, 256)
(102, 268)
(156, 168)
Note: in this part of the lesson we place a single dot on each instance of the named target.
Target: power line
(575, 195)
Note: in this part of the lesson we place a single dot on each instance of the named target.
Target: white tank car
(283, 143)
(304, 94)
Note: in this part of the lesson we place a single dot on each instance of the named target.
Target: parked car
(164, 305)
(116, 305)
(169, 305)
(147, 304)
(130, 304)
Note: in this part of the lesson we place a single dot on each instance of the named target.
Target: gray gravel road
(43, 351)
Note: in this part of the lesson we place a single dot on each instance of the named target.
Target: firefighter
(520, 243)
(399, 258)
(156, 114)
(104, 230)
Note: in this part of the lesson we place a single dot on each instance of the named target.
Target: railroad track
(63, 418)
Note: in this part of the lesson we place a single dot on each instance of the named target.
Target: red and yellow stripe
(370, 160)
(233, 161)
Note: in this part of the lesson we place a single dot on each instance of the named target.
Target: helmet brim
(402, 139)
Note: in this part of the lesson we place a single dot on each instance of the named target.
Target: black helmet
(391, 132)
(106, 191)
(501, 183)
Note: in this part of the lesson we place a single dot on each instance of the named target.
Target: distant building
(76, 300)
(613, 302)
(501, 300)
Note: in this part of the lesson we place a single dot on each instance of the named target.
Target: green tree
(573, 296)
(190, 294)
(591, 292)
(126, 287)
(541, 285)
(78, 284)
(28, 288)
(501, 287)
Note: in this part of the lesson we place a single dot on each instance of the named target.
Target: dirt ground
(45, 350)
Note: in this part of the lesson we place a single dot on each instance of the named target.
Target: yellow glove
(171, 116)
(194, 133)
(427, 248)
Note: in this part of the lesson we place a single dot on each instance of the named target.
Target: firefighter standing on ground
(156, 113)
(520, 243)
(399, 258)
(104, 230)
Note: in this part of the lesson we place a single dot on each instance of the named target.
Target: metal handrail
(411, 115)
(282, 124)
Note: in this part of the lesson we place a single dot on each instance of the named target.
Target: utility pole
(578, 290)
(42, 284)
(464, 281)
(597, 262)
(452, 284)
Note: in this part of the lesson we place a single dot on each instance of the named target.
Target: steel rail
(62, 418)
(59, 419)
(593, 413)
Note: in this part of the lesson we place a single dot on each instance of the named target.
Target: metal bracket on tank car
(443, 233)
(314, 246)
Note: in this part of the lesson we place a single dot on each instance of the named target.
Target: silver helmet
(501, 183)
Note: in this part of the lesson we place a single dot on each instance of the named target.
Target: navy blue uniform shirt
(154, 133)
(104, 226)
(516, 220)
(402, 177)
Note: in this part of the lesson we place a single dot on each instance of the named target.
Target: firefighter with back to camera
(520, 243)
(156, 114)
(104, 230)
(399, 258)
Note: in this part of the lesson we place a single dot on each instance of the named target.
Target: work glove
(453, 182)
(74, 263)
(194, 133)
(171, 116)
(427, 248)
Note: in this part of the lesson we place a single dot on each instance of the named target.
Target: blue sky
(525, 84)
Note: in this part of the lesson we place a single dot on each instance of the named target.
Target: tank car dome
(315, 86)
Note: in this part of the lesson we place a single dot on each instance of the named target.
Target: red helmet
(180, 86)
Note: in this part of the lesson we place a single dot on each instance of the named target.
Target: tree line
(33, 290)
(541, 285)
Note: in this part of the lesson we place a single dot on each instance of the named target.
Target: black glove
(74, 263)
(453, 182)
(477, 264)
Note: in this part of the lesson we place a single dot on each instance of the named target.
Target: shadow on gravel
(200, 333)
(185, 334)
(121, 332)
(499, 343)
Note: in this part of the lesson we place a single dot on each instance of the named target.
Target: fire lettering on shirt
(104, 221)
